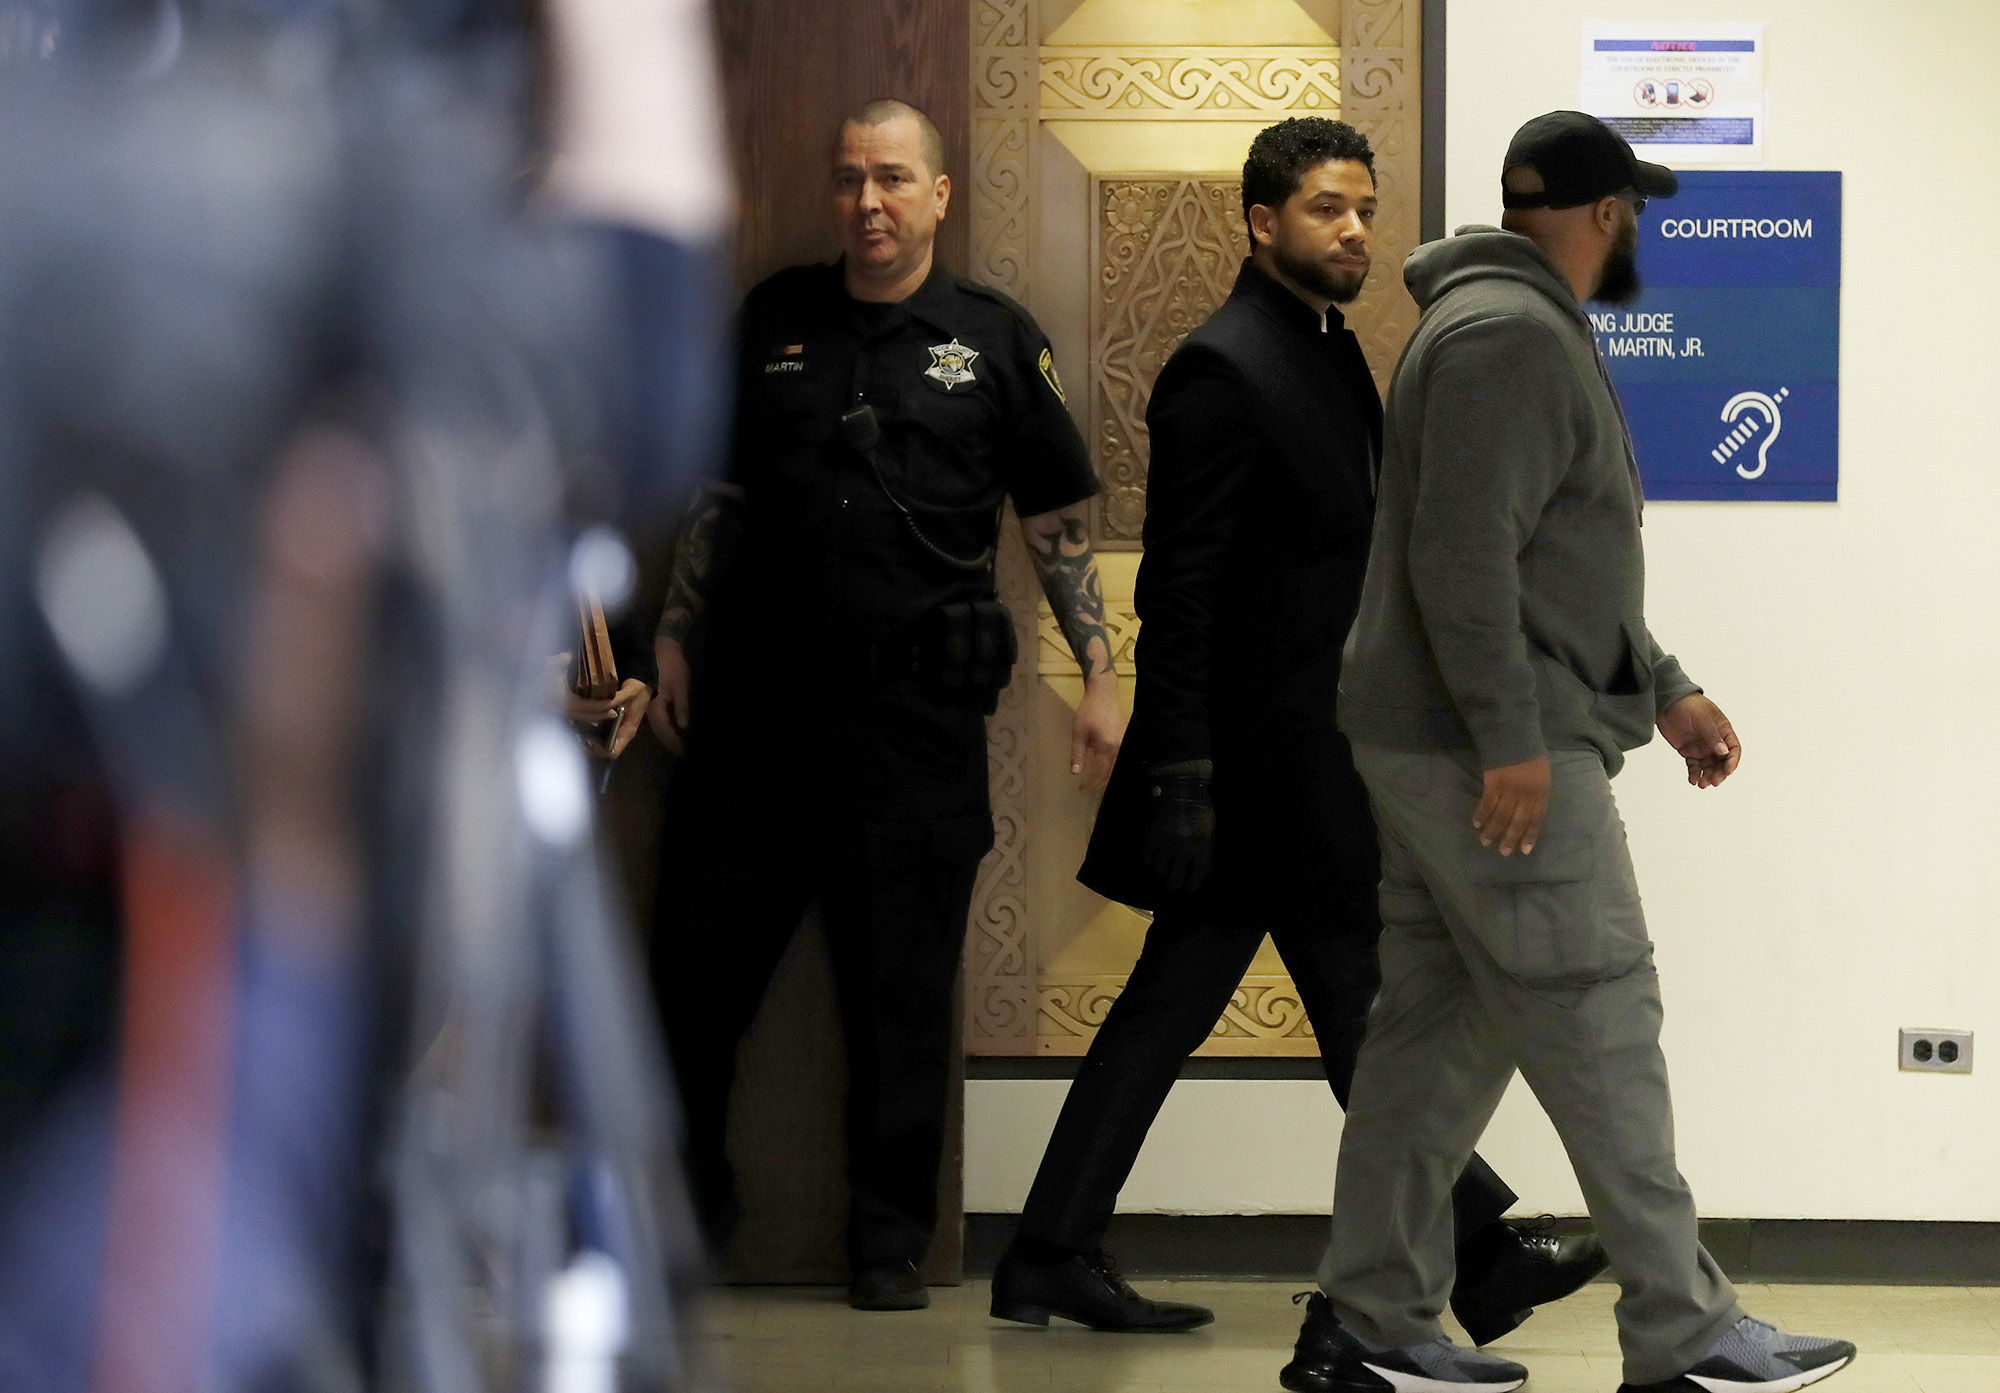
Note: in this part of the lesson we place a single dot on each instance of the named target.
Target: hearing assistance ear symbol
(1736, 406)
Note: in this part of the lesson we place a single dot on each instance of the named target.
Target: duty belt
(959, 652)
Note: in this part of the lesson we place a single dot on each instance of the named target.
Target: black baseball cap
(1580, 160)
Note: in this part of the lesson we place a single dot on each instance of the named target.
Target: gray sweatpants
(1490, 964)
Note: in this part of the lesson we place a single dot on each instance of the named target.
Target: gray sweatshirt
(1504, 609)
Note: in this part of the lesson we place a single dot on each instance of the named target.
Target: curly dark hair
(1281, 154)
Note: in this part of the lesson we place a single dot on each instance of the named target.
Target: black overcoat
(1266, 434)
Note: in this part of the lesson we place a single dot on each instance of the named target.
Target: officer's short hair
(881, 109)
(1281, 154)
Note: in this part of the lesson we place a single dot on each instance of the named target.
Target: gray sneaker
(1752, 1357)
(1330, 1358)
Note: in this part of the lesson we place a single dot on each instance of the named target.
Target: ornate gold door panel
(1107, 145)
(1166, 248)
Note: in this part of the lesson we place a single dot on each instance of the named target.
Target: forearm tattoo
(1059, 543)
(693, 572)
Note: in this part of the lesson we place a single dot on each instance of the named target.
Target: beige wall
(1843, 885)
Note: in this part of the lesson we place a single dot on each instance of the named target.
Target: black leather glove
(1179, 845)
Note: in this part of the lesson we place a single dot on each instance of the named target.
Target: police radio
(862, 432)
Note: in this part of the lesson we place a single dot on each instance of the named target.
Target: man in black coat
(1234, 810)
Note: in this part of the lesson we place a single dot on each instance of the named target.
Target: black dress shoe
(1088, 1290)
(896, 1288)
(1509, 1268)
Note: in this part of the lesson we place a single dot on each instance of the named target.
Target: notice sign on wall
(1728, 362)
(1681, 93)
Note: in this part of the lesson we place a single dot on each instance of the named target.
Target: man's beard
(1618, 283)
(1339, 287)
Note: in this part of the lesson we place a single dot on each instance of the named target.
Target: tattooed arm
(694, 571)
(700, 554)
(1059, 543)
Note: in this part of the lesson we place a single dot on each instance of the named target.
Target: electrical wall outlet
(1935, 1051)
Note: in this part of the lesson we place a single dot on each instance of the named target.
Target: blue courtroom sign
(1729, 361)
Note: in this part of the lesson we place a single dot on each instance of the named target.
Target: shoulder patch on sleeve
(1047, 363)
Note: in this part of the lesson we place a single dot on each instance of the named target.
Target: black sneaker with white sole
(1753, 1357)
(1329, 1358)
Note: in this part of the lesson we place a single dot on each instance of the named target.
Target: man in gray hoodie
(1499, 669)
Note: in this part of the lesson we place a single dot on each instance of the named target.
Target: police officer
(831, 613)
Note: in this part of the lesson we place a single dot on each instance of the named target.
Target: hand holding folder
(609, 711)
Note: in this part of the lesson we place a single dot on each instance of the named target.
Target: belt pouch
(967, 650)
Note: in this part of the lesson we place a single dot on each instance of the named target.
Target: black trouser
(741, 861)
(1191, 964)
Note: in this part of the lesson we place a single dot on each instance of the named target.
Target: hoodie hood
(1478, 253)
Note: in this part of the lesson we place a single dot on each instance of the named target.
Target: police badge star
(951, 364)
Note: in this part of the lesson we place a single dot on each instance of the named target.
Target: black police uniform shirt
(971, 412)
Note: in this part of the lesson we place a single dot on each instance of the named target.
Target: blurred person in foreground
(297, 416)
(1235, 809)
(852, 644)
(1499, 669)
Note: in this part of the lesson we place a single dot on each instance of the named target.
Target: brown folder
(595, 672)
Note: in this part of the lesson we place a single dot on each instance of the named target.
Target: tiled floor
(806, 1340)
